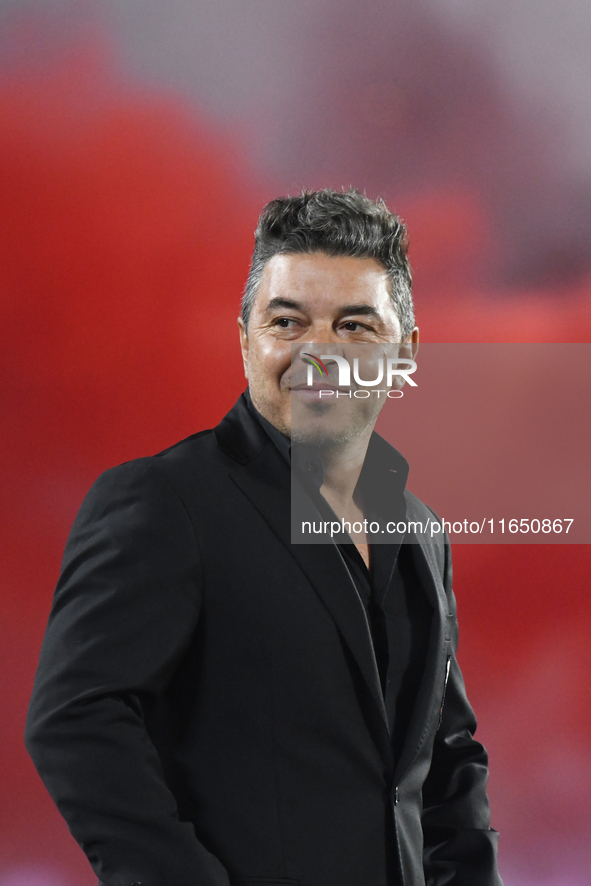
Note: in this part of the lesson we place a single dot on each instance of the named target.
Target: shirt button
(311, 467)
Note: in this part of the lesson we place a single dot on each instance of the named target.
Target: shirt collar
(384, 470)
(282, 443)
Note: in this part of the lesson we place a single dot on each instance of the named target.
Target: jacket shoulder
(188, 447)
(190, 452)
(152, 475)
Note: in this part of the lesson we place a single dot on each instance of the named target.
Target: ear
(408, 350)
(410, 345)
(243, 345)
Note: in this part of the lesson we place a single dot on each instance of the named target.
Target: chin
(322, 438)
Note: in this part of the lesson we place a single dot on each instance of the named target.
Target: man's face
(308, 299)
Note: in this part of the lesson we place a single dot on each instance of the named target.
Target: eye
(285, 322)
(355, 326)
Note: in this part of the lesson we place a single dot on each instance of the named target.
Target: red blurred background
(137, 146)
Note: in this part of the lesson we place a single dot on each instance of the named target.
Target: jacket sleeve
(460, 848)
(123, 615)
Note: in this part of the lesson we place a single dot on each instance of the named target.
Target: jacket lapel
(428, 701)
(265, 478)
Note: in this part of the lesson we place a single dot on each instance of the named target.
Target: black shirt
(398, 612)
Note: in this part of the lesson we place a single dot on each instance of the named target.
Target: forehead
(317, 279)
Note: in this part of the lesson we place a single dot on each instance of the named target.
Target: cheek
(269, 357)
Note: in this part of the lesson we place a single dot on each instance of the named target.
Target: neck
(342, 467)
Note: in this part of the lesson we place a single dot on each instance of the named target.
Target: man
(215, 705)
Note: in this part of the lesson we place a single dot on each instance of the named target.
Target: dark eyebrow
(286, 303)
(364, 310)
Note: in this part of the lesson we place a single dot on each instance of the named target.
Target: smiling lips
(317, 386)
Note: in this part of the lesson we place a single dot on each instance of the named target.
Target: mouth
(314, 389)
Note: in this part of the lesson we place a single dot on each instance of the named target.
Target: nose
(320, 330)
(319, 353)
(320, 338)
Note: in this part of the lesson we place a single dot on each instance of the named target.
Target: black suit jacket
(207, 708)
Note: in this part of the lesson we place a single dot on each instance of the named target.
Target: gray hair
(336, 223)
